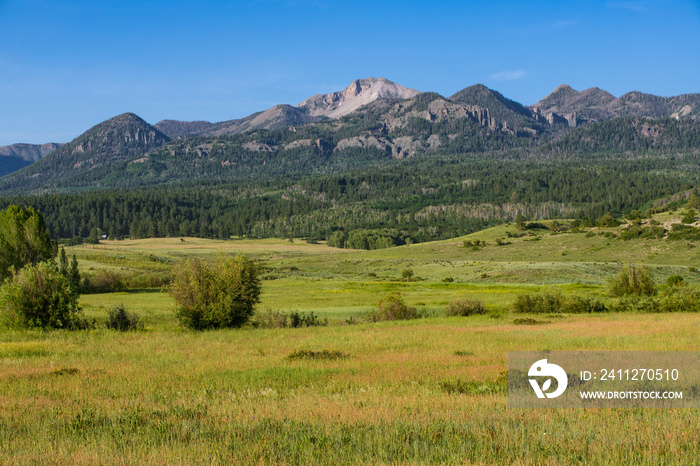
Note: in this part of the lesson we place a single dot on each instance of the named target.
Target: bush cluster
(392, 307)
(322, 354)
(39, 296)
(674, 299)
(465, 308)
(547, 302)
(552, 302)
(102, 281)
(295, 319)
(121, 320)
(632, 280)
(221, 295)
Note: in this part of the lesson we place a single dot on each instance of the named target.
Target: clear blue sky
(66, 65)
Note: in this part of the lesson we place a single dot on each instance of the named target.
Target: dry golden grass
(179, 397)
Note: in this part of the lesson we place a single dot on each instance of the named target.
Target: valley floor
(382, 394)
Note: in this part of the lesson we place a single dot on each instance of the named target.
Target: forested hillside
(421, 199)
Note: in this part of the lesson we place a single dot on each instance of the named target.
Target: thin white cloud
(509, 75)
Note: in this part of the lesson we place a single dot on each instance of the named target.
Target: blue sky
(66, 65)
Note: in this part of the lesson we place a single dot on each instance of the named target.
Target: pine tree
(63, 263)
(74, 273)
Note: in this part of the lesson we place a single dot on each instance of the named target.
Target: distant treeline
(417, 199)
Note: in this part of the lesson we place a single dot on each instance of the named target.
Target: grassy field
(170, 396)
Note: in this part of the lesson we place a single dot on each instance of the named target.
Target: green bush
(675, 280)
(632, 280)
(680, 299)
(215, 296)
(465, 308)
(392, 307)
(122, 320)
(636, 231)
(102, 281)
(689, 216)
(530, 321)
(637, 303)
(683, 232)
(608, 220)
(305, 319)
(547, 302)
(322, 354)
(675, 299)
(583, 305)
(39, 296)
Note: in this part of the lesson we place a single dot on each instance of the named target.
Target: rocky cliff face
(358, 94)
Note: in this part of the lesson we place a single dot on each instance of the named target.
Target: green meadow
(350, 391)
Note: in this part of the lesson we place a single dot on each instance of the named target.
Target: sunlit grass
(171, 396)
(233, 394)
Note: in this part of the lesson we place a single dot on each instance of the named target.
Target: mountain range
(16, 156)
(371, 120)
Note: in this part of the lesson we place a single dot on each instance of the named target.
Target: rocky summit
(358, 94)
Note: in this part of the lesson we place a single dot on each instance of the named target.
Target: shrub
(675, 299)
(322, 354)
(675, 280)
(632, 280)
(636, 231)
(683, 232)
(608, 220)
(637, 303)
(269, 319)
(529, 321)
(465, 308)
(39, 296)
(583, 305)
(689, 217)
(217, 296)
(547, 302)
(680, 299)
(392, 307)
(122, 320)
(302, 319)
(277, 319)
(102, 281)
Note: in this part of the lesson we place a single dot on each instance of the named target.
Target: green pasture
(165, 395)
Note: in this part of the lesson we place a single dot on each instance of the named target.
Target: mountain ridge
(127, 151)
(594, 104)
(17, 156)
(99, 151)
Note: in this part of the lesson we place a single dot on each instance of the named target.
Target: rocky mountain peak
(359, 93)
